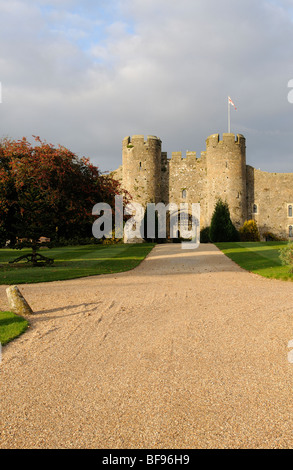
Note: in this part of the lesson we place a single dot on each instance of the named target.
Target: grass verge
(73, 262)
(258, 257)
(11, 326)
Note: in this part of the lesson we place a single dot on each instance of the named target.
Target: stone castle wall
(220, 171)
(184, 180)
(226, 175)
(141, 168)
(268, 201)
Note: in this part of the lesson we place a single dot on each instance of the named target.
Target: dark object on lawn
(36, 259)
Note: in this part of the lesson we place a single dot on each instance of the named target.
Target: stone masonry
(221, 171)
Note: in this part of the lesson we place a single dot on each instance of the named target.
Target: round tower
(141, 173)
(226, 175)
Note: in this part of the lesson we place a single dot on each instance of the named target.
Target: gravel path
(186, 351)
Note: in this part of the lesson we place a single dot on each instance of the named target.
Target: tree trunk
(34, 254)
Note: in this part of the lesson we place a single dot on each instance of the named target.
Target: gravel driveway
(186, 351)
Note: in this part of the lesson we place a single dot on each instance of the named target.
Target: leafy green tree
(48, 192)
(221, 227)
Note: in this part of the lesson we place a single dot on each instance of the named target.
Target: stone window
(139, 166)
(254, 209)
(184, 193)
(291, 231)
(290, 211)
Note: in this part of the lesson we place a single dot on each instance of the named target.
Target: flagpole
(229, 117)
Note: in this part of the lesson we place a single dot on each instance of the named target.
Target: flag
(231, 102)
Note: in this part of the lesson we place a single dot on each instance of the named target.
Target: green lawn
(11, 326)
(72, 262)
(258, 257)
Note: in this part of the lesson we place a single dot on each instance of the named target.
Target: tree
(222, 228)
(48, 191)
(7, 199)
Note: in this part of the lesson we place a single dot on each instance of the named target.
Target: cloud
(86, 74)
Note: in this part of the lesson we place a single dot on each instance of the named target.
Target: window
(291, 231)
(184, 194)
(139, 166)
(290, 211)
(254, 209)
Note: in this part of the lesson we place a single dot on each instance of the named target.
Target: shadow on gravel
(84, 306)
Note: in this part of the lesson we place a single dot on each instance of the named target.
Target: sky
(86, 74)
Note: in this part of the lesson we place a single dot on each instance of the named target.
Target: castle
(220, 172)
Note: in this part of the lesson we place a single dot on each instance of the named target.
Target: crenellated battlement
(229, 143)
(190, 158)
(229, 140)
(140, 140)
(176, 157)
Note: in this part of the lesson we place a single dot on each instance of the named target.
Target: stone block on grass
(17, 302)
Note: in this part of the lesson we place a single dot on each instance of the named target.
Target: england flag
(231, 102)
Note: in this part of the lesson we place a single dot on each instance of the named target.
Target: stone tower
(142, 168)
(226, 175)
(220, 172)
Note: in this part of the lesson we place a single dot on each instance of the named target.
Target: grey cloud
(158, 67)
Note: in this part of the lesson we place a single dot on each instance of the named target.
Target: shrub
(112, 240)
(271, 237)
(75, 241)
(286, 256)
(249, 232)
(222, 228)
(205, 235)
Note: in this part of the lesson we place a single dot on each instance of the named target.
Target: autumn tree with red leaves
(48, 191)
